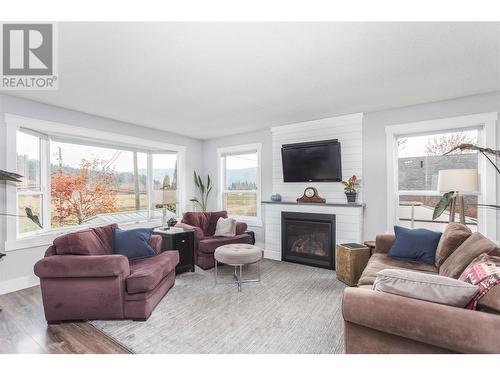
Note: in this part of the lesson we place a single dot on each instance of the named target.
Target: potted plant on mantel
(350, 188)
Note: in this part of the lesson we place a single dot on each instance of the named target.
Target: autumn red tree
(91, 191)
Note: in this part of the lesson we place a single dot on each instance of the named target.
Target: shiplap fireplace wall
(349, 219)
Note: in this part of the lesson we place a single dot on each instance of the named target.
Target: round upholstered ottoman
(238, 255)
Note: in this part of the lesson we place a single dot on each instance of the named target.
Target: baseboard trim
(13, 285)
(272, 255)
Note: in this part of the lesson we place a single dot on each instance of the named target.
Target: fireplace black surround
(308, 238)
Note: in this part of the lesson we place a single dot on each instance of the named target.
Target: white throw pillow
(226, 227)
(425, 286)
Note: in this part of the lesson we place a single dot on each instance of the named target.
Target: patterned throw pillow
(484, 271)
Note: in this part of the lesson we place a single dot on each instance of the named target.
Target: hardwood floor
(23, 329)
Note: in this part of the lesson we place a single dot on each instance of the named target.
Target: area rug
(294, 309)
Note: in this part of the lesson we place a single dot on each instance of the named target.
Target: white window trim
(84, 136)
(486, 122)
(223, 151)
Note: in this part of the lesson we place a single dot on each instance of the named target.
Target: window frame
(46, 131)
(485, 123)
(222, 152)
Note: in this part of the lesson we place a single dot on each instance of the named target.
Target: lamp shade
(164, 196)
(464, 181)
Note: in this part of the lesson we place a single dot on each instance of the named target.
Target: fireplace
(308, 238)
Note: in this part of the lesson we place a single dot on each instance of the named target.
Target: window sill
(46, 238)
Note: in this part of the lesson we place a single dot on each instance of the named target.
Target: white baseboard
(272, 255)
(13, 285)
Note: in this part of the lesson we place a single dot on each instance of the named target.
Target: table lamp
(460, 181)
(163, 197)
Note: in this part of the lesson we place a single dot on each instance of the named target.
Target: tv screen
(312, 161)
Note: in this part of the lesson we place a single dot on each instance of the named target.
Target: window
(414, 158)
(419, 160)
(240, 182)
(164, 169)
(83, 183)
(29, 191)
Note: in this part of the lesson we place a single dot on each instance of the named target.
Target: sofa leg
(53, 322)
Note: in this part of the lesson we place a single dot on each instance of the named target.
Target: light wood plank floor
(23, 329)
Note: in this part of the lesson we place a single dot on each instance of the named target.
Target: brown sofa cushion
(146, 274)
(92, 241)
(470, 249)
(453, 236)
(379, 262)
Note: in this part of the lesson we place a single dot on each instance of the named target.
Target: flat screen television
(312, 161)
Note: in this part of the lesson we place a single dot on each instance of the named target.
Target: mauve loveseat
(205, 242)
(82, 279)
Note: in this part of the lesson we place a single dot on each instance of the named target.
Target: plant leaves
(9, 176)
(196, 179)
(442, 204)
(33, 218)
(202, 187)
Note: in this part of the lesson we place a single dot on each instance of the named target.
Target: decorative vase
(276, 198)
(171, 222)
(351, 197)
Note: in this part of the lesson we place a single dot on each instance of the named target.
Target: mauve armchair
(205, 242)
(82, 279)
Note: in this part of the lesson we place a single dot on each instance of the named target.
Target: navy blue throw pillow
(133, 243)
(415, 244)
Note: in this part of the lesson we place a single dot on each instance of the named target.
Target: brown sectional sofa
(377, 322)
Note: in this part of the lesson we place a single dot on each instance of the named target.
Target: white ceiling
(212, 79)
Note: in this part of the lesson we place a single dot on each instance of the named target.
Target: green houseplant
(350, 188)
(204, 190)
(14, 177)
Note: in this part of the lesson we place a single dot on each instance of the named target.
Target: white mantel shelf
(316, 204)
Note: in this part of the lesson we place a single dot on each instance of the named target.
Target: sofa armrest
(241, 227)
(82, 266)
(198, 232)
(452, 328)
(384, 242)
(155, 243)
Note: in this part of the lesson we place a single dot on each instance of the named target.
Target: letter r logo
(27, 49)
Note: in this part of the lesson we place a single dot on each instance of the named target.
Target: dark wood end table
(182, 240)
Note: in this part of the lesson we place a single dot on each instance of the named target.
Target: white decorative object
(163, 197)
(226, 227)
(464, 181)
(461, 181)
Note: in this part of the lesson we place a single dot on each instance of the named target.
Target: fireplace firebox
(308, 238)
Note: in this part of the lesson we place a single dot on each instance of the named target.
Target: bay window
(71, 182)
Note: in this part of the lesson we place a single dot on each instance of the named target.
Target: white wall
(16, 269)
(374, 157)
(347, 129)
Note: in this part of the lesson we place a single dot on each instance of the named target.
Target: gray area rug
(294, 309)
